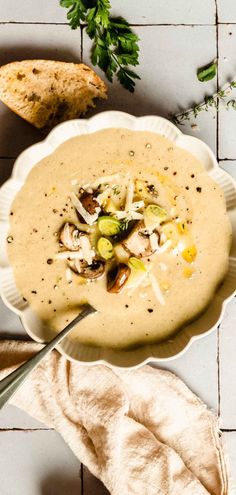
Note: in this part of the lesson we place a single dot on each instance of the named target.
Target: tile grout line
(24, 430)
(217, 79)
(217, 151)
(228, 430)
(191, 24)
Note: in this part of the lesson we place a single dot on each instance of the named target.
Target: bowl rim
(101, 121)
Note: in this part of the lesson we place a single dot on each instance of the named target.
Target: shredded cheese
(89, 219)
(68, 239)
(137, 205)
(156, 289)
(129, 195)
(163, 238)
(78, 266)
(88, 253)
(164, 246)
(130, 215)
(154, 242)
(102, 197)
(104, 180)
(68, 275)
(135, 283)
(65, 255)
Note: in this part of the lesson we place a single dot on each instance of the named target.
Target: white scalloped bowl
(180, 342)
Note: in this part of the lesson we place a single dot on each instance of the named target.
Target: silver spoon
(10, 384)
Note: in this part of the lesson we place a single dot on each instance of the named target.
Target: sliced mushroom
(138, 242)
(117, 278)
(69, 236)
(92, 272)
(89, 202)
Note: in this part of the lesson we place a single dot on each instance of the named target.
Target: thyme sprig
(219, 97)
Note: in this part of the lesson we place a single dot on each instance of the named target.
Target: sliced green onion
(136, 264)
(109, 226)
(105, 248)
(154, 215)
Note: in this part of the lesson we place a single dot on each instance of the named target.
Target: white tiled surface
(227, 352)
(167, 83)
(227, 66)
(195, 365)
(138, 12)
(32, 11)
(166, 12)
(170, 55)
(37, 463)
(229, 166)
(227, 10)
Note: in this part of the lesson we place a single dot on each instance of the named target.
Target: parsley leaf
(115, 46)
(208, 72)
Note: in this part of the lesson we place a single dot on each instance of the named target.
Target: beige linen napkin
(142, 432)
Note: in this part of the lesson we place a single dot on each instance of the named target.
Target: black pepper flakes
(192, 176)
(33, 292)
(199, 189)
(150, 310)
(24, 299)
(126, 305)
(187, 188)
(49, 261)
(174, 173)
(49, 301)
(11, 213)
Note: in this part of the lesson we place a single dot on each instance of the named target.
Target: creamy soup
(126, 221)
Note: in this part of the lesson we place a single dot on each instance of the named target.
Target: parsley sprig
(115, 46)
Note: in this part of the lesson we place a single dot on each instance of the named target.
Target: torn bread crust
(46, 92)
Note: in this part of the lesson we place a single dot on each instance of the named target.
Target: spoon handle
(10, 384)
